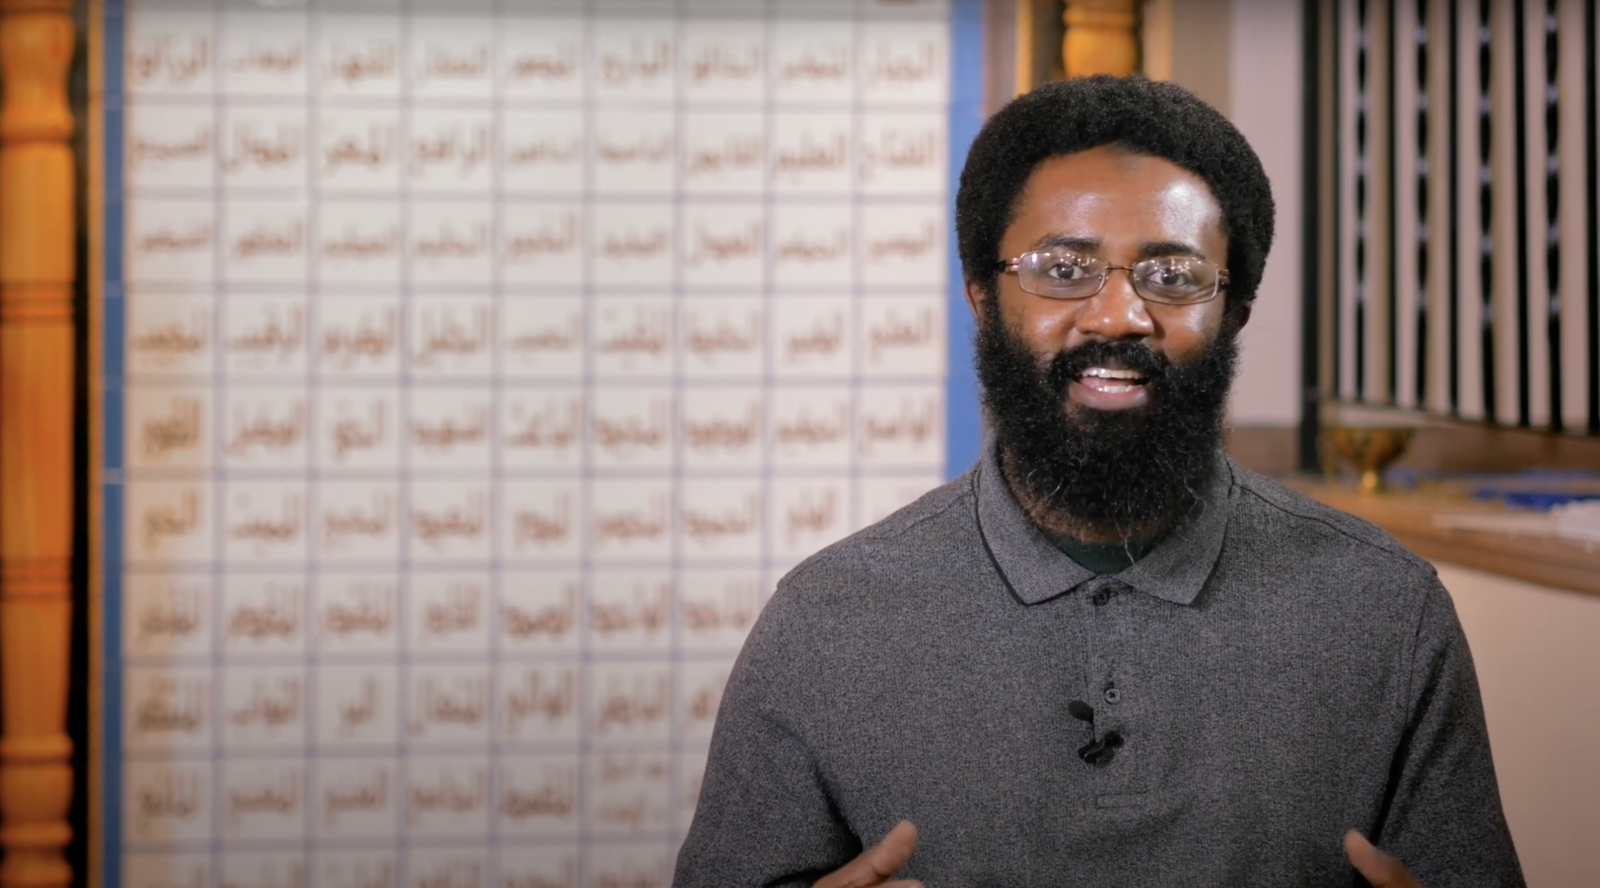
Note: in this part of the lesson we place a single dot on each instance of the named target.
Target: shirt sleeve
(765, 816)
(1442, 815)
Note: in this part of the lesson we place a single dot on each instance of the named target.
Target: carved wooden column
(36, 367)
(1102, 37)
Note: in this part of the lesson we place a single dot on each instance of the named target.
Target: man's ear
(975, 297)
(1236, 317)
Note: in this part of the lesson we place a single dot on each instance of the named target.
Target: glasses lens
(1176, 279)
(1061, 274)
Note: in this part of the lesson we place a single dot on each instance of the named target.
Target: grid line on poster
(856, 289)
(676, 680)
(586, 472)
(219, 480)
(496, 578)
(315, 767)
(405, 581)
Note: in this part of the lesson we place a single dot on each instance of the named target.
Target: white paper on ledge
(1578, 521)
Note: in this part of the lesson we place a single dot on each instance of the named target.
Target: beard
(1130, 474)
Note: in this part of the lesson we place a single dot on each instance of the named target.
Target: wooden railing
(1102, 37)
(1076, 38)
(36, 441)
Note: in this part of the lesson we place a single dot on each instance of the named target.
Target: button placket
(1103, 595)
(1108, 752)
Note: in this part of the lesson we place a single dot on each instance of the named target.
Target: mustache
(1136, 356)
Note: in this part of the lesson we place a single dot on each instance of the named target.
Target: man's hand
(1379, 868)
(877, 863)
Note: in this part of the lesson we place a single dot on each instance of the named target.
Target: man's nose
(1117, 311)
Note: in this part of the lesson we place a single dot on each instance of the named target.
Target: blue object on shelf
(1543, 500)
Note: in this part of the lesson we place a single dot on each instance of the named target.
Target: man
(1106, 655)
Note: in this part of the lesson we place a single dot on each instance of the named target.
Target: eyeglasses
(1170, 280)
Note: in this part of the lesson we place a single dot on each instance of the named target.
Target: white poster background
(484, 364)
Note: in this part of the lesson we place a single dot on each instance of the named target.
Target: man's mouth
(1112, 380)
(1104, 387)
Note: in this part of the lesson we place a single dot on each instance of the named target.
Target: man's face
(1108, 409)
(1120, 207)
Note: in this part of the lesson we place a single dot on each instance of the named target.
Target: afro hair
(1146, 117)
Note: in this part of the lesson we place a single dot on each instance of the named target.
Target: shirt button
(1102, 598)
(1113, 696)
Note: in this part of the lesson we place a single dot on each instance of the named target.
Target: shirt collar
(1035, 570)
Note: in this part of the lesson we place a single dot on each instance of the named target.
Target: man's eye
(1068, 271)
(1173, 277)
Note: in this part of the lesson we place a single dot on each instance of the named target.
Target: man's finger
(1381, 870)
(872, 866)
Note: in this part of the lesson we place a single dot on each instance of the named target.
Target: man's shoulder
(852, 589)
(933, 528)
(1313, 528)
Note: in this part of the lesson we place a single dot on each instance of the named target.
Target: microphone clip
(1100, 750)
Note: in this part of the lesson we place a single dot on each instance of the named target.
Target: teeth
(1108, 373)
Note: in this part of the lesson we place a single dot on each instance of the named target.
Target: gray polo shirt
(1277, 672)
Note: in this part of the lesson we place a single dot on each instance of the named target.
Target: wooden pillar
(36, 367)
(1102, 37)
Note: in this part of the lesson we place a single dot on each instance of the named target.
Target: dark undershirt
(1104, 558)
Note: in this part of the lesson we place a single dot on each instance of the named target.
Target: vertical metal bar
(1363, 172)
(1533, 287)
(1486, 348)
(1424, 169)
(1405, 213)
(1519, 189)
(1351, 186)
(1332, 175)
(1574, 163)
(1311, 212)
(1441, 318)
(1592, 140)
(1452, 272)
(1470, 233)
(1552, 196)
(1387, 337)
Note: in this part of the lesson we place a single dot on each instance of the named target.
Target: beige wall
(1201, 38)
(1264, 102)
(1538, 656)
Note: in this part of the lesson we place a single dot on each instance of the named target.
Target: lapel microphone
(1098, 751)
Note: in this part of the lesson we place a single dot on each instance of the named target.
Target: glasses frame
(1014, 266)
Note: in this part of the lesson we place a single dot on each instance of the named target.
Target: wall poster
(470, 371)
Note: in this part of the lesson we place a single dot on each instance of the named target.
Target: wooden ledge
(1410, 517)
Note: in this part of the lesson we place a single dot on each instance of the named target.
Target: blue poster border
(963, 416)
(113, 116)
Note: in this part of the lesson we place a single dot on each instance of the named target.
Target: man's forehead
(1130, 159)
(1111, 193)
(1092, 244)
